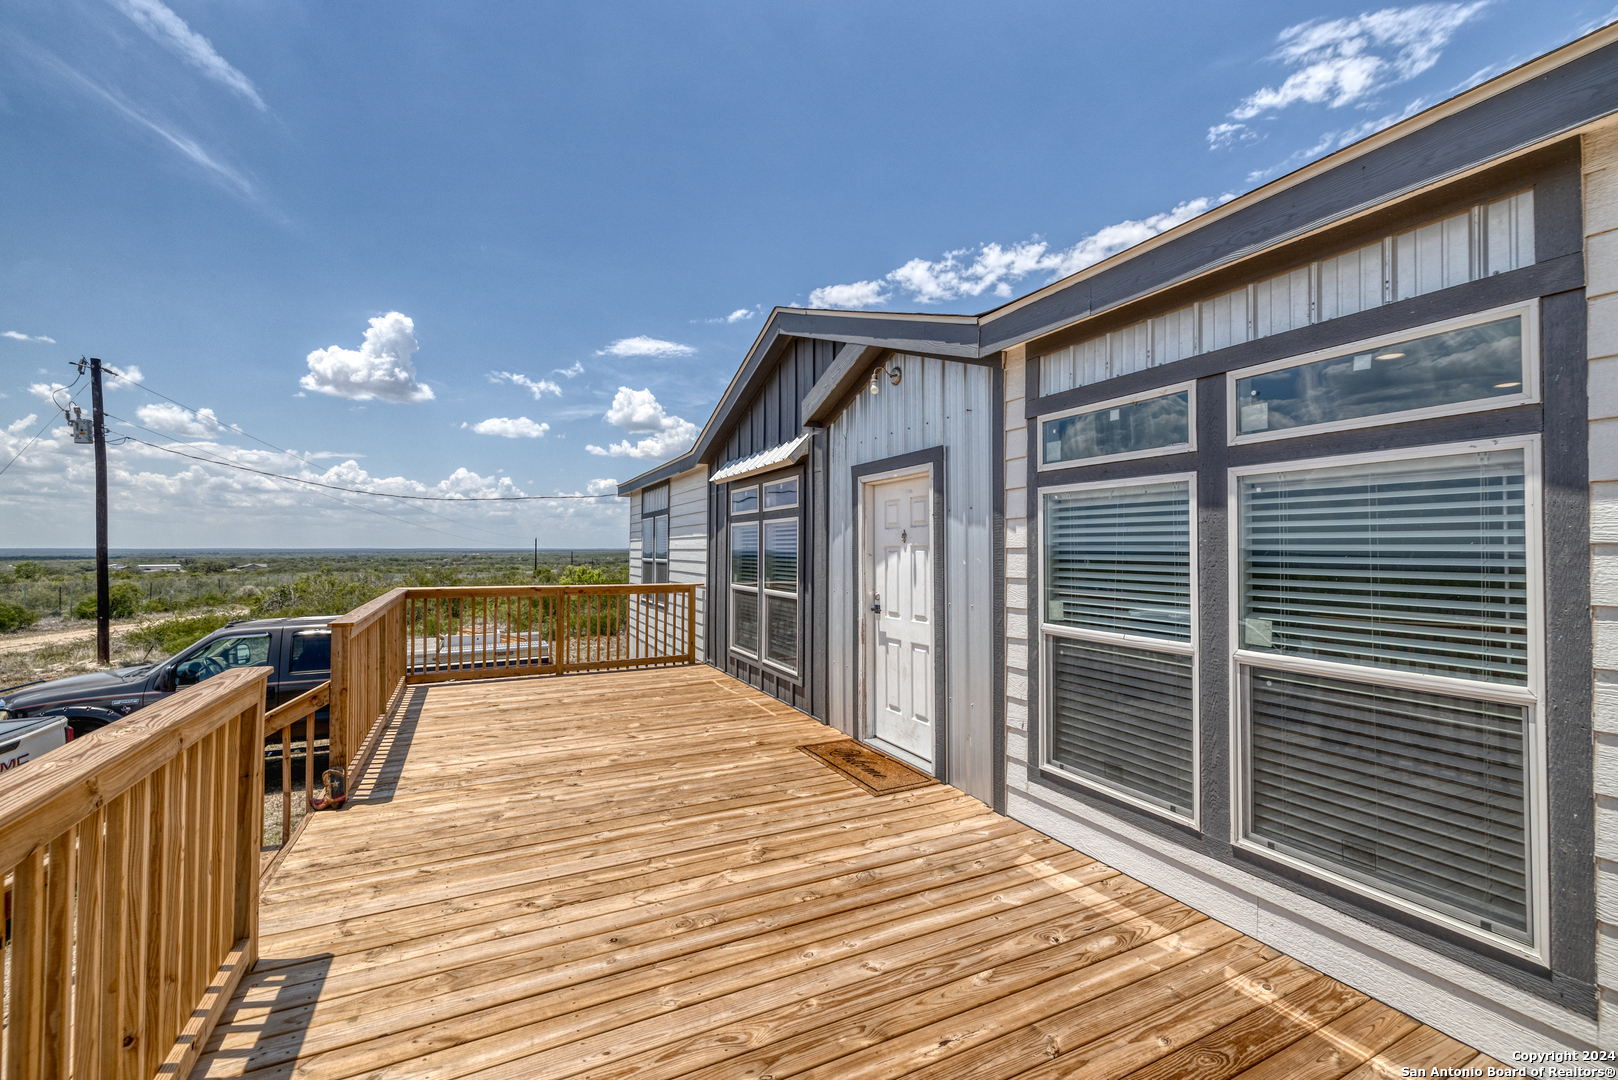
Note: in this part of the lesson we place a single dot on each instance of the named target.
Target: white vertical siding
(938, 403)
(688, 539)
(1488, 239)
(1601, 298)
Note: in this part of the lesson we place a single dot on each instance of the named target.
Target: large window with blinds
(654, 535)
(1386, 640)
(1118, 626)
(764, 571)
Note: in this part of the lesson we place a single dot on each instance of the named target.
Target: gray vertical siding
(938, 403)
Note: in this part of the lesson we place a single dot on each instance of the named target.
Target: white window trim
(1529, 394)
(730, 571)
(1188, 647)
(1189, 446)
(1530, 695)
(765, 591)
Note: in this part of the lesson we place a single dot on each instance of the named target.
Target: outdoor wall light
(880, 370)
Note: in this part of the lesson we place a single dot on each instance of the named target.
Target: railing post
(691, 624)
(337, 709)
(563, 616)
(250, 824)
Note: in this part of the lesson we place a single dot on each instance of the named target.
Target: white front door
(899, 616)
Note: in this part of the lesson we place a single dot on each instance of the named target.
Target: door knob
(876, 603)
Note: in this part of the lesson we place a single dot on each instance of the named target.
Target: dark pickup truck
(298, 652)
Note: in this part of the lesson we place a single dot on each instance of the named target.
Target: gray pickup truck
(298, 652)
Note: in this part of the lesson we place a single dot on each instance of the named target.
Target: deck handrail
(433, 634)
(134, 855)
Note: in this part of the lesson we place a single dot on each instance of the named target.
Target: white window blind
(1118, 559)
(1422, 794)
(1418, 564)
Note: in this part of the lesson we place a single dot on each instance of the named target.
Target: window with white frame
(1118, 639)
(764, 571)
(1388, 677)
(1481, 362)
(654, 535)
(1155, 423)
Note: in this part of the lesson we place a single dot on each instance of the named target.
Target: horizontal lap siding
(1601, 291)
(937, 403)
(634, 538)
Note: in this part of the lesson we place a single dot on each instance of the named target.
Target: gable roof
(1547, 98)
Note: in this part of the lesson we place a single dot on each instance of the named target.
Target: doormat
(871, 769)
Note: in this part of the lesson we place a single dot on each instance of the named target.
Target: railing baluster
(25, 1037)
(89, 950)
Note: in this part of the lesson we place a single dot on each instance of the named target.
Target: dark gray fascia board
(1574, 94)
(946, 337)
(846, 372)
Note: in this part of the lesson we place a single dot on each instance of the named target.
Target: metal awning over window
(764, 461)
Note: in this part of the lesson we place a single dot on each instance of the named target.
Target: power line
(322, 494)
(360, 491)
(42, 430)
(339, 500)
(313, 483)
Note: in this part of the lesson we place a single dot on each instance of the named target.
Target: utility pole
(103, 587)
(536, 556)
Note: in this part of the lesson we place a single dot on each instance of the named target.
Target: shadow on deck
(638, 875)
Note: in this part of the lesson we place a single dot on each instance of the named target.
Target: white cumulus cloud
(380, 368)
(519, 428)
(645, 346)
(18, 336)
(995, 268)
(602, 487)
(49, 392)
(638, 412)
(571, 372)
(173, 419)
(128, 375)
(538, 387)
(1338, 62)
(171, 31)
(857, 294)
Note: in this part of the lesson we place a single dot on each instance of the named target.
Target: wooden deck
(638, 875)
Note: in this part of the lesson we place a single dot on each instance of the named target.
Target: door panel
(899, 649)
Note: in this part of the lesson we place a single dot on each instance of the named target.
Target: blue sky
(447, 249)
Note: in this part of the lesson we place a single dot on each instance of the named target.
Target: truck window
(222, 655)
(311, 651)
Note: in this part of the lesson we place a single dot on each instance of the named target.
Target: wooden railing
(131, 857)
(134, 856)
(282, 722)
(494, 631)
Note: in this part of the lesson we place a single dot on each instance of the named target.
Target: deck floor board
(637, 874)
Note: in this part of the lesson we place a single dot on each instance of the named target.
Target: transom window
(1478, 363)
(1156, 423)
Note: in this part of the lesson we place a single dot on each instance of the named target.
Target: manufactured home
(1269, 561)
